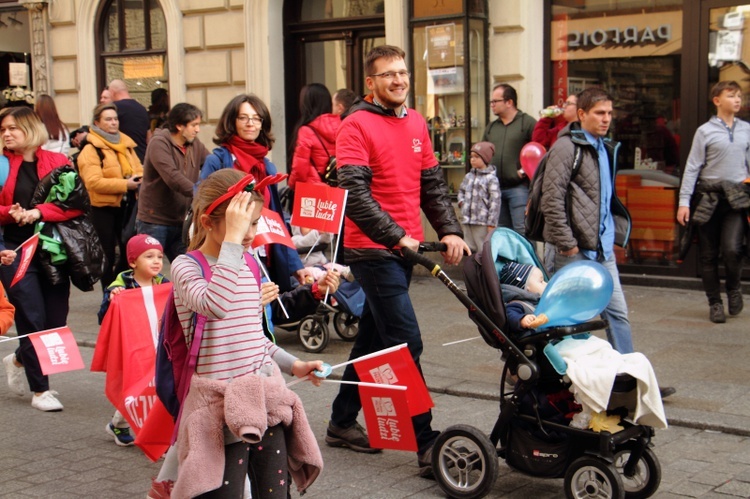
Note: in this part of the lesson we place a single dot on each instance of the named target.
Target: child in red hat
(146, 260)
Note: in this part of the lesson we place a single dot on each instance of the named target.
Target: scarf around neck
(118, 146)
(249, 156)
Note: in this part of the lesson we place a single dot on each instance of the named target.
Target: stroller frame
(604, 464)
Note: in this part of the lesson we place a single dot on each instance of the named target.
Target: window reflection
(313, 10)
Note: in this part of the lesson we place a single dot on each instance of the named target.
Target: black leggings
(265, 463)
(108, 224)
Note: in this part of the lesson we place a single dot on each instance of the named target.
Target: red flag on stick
(57, 350)
(271, 229)
(319, 206)
(126, 350)
(27, 250)
(394, 366)
(387, 417)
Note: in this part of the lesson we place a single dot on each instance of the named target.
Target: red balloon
(531, 155)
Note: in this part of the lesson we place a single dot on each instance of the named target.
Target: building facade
(207, 51)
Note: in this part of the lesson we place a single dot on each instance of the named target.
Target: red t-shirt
(396, 150)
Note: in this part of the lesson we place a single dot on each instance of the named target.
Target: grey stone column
(39, 44)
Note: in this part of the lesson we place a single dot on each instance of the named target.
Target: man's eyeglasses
(389, 75)
(255, 120)
(568, 103)
(495, 101)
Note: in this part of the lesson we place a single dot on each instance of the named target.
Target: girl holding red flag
(259, 417)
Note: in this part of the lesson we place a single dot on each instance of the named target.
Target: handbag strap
(319, 139)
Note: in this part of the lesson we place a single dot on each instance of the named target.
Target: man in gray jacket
(170, 170)
(584, 219)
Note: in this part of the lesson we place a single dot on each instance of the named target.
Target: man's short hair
(182, 114)
(345, 97)
(717, 89)
(382, 51)
(591, 96)
(509, 93)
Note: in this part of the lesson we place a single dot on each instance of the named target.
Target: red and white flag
(27, 250)
(319, 206)
(395, 366)
(387, 417)
(126, 350)
(57, 350)
(271, 229)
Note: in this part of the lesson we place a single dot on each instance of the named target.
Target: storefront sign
(636, 35)
(429, 8)
(18, 73)
(143, 67)
(441, 45)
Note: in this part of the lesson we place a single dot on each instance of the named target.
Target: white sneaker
(46, 402)
(16, 376)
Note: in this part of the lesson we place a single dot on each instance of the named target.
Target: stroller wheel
(464, 462)
(346, 325)
(591, 477)
(313, 334)
(646, 476)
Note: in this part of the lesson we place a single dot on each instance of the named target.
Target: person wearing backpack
(314, 136)
(260, 419)
(583, 217)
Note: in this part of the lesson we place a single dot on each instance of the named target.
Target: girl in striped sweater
(227, 208)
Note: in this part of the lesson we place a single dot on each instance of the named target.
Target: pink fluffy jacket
(248, 406)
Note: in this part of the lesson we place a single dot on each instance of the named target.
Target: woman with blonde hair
(40, 303)
(109, 169)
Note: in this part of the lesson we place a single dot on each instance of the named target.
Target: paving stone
(735, 488)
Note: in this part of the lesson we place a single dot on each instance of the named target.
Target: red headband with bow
(248, 184)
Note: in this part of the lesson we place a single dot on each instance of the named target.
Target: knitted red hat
(137, 245)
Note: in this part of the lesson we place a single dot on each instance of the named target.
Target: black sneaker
(735, 301)
(716, 314)
(353, 437)
(666, 391)
(122, 436)
(424, 462)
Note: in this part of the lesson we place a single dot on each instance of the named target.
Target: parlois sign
(631, 35)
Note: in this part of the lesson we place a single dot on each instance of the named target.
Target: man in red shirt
(387, 163)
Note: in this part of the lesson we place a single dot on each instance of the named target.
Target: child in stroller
(533, 431)
(343, 308)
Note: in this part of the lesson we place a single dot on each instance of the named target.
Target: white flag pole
(265, 273)
(312, 248)
(341, 223)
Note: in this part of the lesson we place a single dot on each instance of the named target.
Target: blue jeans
(513, 207)
(169, 236)
(388, 319)
(618, 332)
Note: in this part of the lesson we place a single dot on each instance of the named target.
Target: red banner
(27, 250)
(156, 434)
(57, 350)
(271, 229)
(126, 351)
(394, 366)
(387, 417)
(318, 206)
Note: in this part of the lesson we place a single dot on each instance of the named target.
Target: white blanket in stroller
(592, 367)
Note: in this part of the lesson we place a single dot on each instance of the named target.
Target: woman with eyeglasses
(244, 137)
(546, 129)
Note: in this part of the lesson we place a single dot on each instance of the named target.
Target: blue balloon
(576, 293)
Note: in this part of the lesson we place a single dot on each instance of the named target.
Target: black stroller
(528, 433)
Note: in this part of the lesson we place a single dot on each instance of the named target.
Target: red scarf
(250, 156)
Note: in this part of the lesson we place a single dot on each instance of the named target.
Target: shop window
(132, 44)
(633, 50)
(314, 10)
(449, 86)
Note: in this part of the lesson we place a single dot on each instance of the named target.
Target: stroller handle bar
(418, 258)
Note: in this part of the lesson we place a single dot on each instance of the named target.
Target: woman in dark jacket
(40, 304)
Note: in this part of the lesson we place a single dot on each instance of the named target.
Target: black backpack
(329, 174)
(534, 222)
